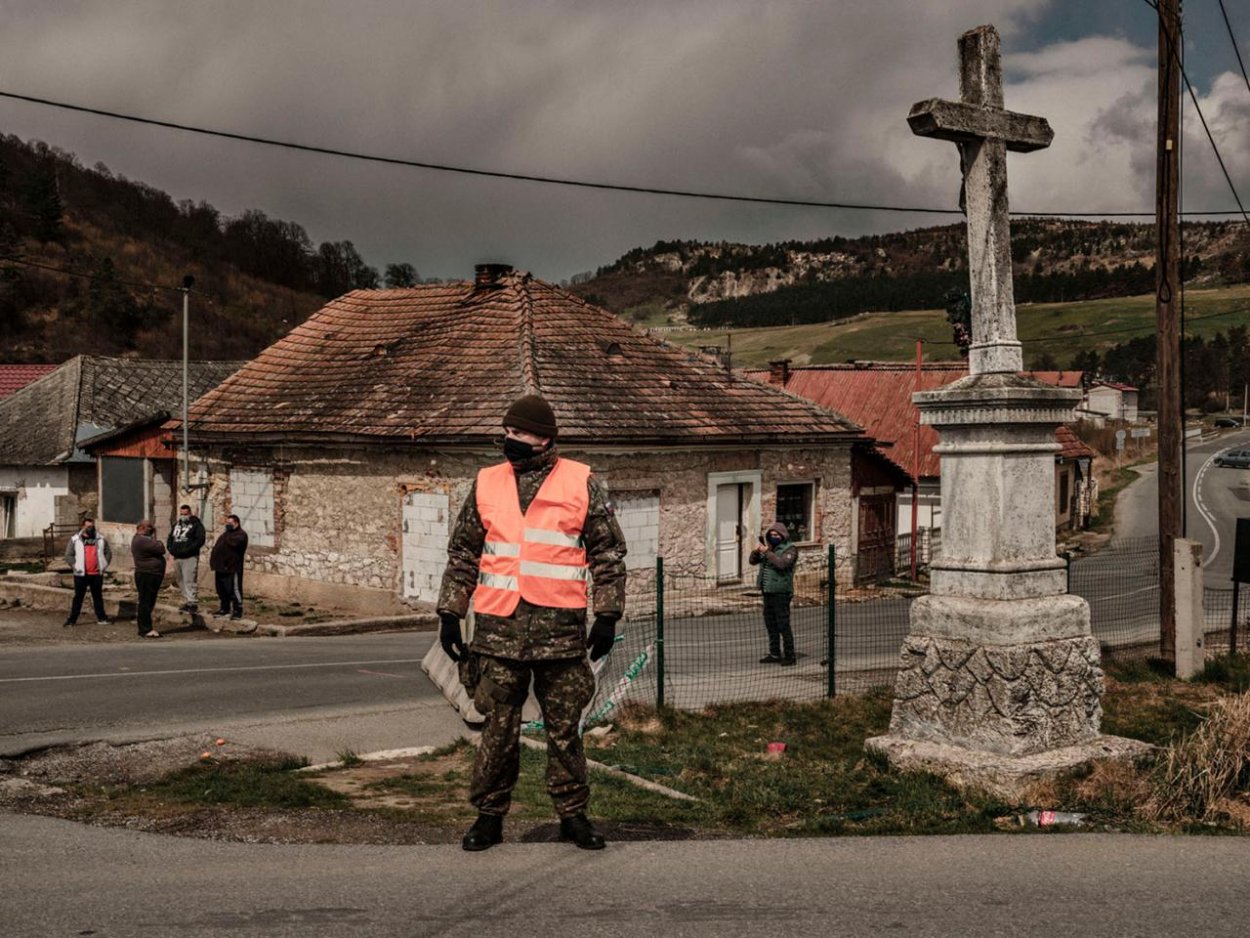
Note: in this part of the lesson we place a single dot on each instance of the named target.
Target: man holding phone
(776, 558)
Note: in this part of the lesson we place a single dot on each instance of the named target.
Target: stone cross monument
(999, 684)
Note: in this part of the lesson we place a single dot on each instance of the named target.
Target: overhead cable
(554, 180)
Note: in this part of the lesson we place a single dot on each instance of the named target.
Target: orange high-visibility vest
(537, 556)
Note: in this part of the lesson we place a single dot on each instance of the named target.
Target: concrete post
(1190, 630)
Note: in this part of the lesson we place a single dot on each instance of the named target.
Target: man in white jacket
(88, 554)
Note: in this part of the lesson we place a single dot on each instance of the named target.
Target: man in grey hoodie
(776, 558)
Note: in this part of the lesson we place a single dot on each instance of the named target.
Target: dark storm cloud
(803, 99)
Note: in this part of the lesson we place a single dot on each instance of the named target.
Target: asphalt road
(67, 879)
(1215, 498)
(316, 697)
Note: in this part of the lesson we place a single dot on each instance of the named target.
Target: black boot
(579, 830)
(486, 831)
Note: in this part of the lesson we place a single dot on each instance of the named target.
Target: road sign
(1241, 552)
(1119, 439)
(1138, 432)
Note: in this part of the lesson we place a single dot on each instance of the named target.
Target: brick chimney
(489, 276)
(779, 372)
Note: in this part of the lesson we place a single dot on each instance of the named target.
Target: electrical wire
(553, 180)
(137, 284)
(1236, 48)
(1175, 54)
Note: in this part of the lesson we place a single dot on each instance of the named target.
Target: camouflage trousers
(563, 687)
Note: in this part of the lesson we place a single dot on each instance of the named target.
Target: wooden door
(729, 531)
(877, 526)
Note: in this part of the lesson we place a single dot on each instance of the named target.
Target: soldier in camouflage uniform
(545, 644)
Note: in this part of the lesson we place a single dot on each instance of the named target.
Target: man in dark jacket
(569, 535)
(776, 558)
(149, 557)
(226, 562)
(186, 540)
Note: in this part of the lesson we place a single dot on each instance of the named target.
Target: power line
(137, 284)
(552, 180)
(1174, 52)
(1236, 48)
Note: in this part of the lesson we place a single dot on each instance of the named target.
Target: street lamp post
(187, 282)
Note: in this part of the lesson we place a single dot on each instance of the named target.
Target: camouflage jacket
(536, 632)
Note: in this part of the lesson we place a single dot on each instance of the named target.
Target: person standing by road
(88, 555)
(532, 531)
(226, 562)
(185, 542)
(149, 557)
(776, 558)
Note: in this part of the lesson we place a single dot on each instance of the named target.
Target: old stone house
(45, 475)
(877, 395)
(348, 446)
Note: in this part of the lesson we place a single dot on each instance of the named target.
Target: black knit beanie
(532, 414)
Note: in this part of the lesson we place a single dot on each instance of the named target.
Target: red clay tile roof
(1114, 384)
(14, 377)
(877, 395)
(1060, 379)
(1073, 448)
(442, 362)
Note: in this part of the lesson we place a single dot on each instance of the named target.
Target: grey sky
(791, 99)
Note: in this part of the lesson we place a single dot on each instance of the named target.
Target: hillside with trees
(80, 248)
(739, 285)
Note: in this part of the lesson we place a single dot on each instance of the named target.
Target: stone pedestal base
(1003, 776)
(1013, 700)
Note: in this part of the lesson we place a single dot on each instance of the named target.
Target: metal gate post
(659, 633)
(831, 622)
(1232, 626)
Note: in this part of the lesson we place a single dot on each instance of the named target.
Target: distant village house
(48, 478)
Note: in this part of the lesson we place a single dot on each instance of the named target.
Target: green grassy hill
(1062, 329)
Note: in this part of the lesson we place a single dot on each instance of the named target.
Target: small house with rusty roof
(348, 446)
(46, 476)
(878, 395)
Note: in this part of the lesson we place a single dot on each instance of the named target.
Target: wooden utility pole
(1167, 316)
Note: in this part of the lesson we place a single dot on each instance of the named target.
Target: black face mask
(774, 540)
(90, 532)
(518, 450)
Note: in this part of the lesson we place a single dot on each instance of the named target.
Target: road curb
(58, 598)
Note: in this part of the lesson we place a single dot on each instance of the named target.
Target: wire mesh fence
(1121, 585)
(690, 640)
(1227, 620)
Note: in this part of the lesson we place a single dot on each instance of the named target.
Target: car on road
(1227, 422)
(1234, 459)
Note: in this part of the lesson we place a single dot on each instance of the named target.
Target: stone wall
(339, 514)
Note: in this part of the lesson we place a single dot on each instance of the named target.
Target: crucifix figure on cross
(984, 131)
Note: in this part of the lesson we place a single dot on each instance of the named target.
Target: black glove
(602, 636)
(449, 636)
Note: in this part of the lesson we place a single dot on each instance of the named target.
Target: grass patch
(1231, 673)
(823, 783)
(266, 783)
(891, 336)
